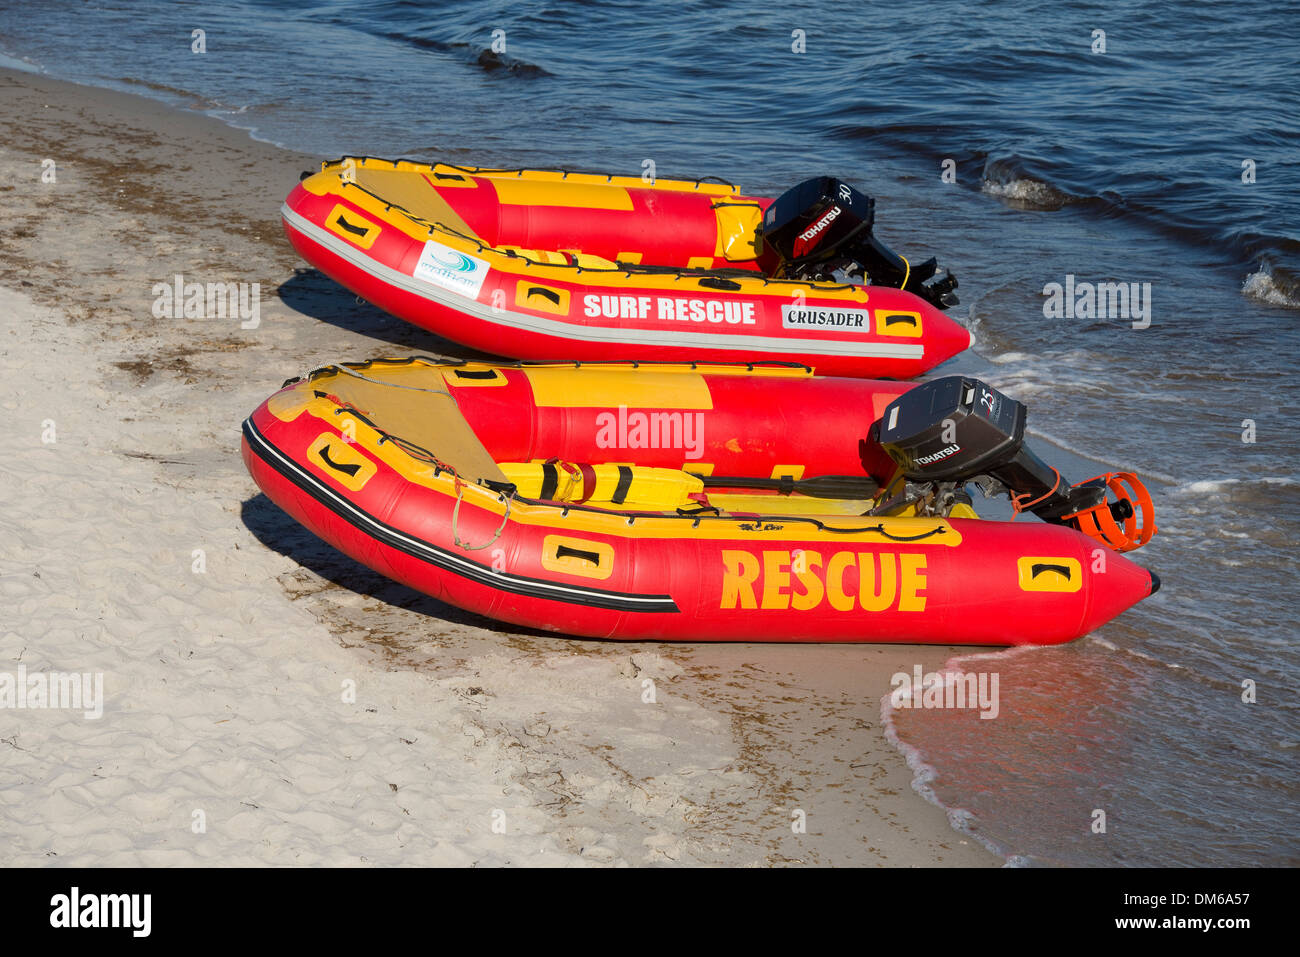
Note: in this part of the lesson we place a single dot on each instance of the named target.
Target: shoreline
(223, 686)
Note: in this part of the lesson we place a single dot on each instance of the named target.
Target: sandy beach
(266, 700)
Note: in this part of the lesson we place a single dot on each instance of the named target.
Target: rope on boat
(342, 367)
(455, 518)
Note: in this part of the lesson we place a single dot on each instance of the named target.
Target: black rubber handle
(354, 230)
(347, 468)
(716, 282)
(564, 551)
(545, 293)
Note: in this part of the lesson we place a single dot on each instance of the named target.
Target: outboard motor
(821, 231)
(952, 431)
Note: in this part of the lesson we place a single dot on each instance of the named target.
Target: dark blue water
(1124, 166)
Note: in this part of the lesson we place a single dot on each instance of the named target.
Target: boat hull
(604, 574)
(504, 301)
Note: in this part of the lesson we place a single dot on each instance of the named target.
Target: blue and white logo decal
(451, 269)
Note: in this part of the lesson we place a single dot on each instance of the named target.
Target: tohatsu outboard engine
(952, 431)
(820, 230)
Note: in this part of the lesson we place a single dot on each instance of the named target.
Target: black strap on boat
(849, 487)
(550, 480)
(624, 485)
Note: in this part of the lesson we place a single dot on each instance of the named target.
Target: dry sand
(135, 545)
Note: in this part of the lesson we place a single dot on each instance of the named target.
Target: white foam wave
(984, 655)
(1030, 192)
(1144, 473)
(19, 63)
(1134, 652)
(1261, 285)
(960, 819)
(1215, 486)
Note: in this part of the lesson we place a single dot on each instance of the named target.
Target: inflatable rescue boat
(701, 502)
(538, 264)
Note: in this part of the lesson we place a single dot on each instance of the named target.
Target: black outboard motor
(955, 430)
(820, 230)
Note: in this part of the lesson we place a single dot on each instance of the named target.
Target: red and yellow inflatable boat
(537, 264)
(696, 502)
